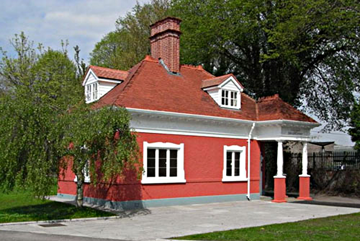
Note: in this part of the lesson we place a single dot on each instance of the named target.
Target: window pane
(228, 164)
(95, 91)
(151, 163)
(162, 162)
(173, 163)
(233, 98)
(223, 98)
(226, 97)
(237, 164)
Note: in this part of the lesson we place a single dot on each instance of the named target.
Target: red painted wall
(203, 164)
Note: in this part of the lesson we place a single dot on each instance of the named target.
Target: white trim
(229, 106)
(231, 78)
(180, 178)
(163, 122)
(87, 76)
(283, 138)
(110, 80)
(186, 115)
(187, 133)
(242, 164)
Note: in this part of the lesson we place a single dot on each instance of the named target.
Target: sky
(82, 23)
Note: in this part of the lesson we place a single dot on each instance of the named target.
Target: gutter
(217, 118)
(248, 165)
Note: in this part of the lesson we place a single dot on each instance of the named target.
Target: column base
(304, 188)
(279, 190)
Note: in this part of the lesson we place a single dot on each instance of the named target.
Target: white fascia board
(110, 80)
(188, 133)
(211, 88)
(302, 139)
(234, 81)
(287, 122)
(216, 118)
(189, 116)
(87, 76)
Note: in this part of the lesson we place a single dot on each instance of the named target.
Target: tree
(41, 85)
(354, 131)
(129, 43)
(102, 142)
(307, 51)
(44, 111)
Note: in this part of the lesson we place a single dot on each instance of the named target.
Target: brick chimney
(165, 42)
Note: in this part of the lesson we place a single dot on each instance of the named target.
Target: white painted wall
(216, 95)
(104, 87)
(230, 86)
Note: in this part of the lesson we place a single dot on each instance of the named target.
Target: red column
(279, 190)
(304, 178)
(304, 188)
(280, 179)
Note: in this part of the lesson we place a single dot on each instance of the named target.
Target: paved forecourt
(172, 221)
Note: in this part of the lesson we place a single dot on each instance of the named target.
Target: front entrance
(276, 174)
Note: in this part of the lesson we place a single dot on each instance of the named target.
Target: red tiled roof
(149, 86)
(107, 73)
(217, 81)
(274, 108)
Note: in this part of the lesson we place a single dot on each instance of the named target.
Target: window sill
(162, 180)
(234, 179)
(230, 107)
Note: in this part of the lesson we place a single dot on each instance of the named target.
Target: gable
(224, 90)
(90, 78)
(231, 84)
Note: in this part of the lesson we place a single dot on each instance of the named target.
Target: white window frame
(95, 91)
(92, 92)
(242, 164)
(180, 178)
(229, 99)
(86, 171)
(88, 92)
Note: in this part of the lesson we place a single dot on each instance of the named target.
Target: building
(200, 135)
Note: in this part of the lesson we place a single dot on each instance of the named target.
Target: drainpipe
(248, 171)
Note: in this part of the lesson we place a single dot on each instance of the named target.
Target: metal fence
(334, 160)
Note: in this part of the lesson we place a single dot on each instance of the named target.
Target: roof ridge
(197, 67)
(270, 97)
(106, 68)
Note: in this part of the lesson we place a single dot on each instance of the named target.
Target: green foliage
(22, 206)
(41, 85)
(129, 43)
(354, 131)
(102, 139)
(343, 227)
(304, 50)
(43, 111)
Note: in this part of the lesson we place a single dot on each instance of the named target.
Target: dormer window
(91, 92)
(99, 80)
(225, 90)
(229, 98)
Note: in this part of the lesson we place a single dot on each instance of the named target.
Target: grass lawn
(343, 227)
(22, 206)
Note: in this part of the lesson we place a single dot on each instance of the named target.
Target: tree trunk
(80, 189)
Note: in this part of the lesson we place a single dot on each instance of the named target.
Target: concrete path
(167, 222)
